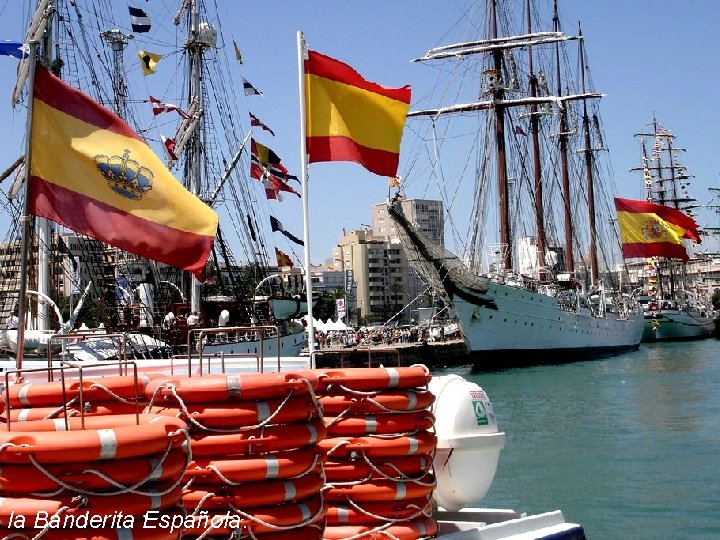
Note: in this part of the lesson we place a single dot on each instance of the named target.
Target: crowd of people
(373, 336)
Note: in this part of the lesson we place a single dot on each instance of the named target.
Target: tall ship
(674, 300)
(168, 73)
(537, 272)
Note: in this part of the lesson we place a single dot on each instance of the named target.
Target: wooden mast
(594, 273)
(498, 94)
(647, 178)
(564, 169)
(539, 217)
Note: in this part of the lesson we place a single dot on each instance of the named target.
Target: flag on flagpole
(169, 147)
(283, 259)
(238, 54)
(255, 121)
(13, 48)
(250, 90)
(251, 228)
(276, 226)
(271, 193)
(265, 166)
(394, 181)
(160, 107)
(351, 119)
(139, 20)
(648, 230)
(109, 184)
(148, 61)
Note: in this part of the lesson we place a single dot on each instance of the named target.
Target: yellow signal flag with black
(350, 118)
(92, 173)
(648, 229)
(148, 61)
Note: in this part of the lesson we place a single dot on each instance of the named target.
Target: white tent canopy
(328, 326)
(337, 325)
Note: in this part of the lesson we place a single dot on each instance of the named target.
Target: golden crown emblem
(125, 176)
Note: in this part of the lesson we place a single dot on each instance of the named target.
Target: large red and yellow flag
(649, 230)
(351, 119)
(93, 174)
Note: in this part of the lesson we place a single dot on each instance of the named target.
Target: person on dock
(193, 319)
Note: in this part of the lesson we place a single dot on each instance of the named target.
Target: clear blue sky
(651, 57)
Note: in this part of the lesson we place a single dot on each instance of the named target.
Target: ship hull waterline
(517, 326)
(677, 325)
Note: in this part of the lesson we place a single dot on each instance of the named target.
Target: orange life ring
(424, 527)
(253, 494)
(243, 413)
(264, 519)
(138, 532)
(381, 489)
(104, 437)
(384, 423)
(253, 468)
(231, 386)
(308, 532)
(423, 442)
(129, 503)
(90, 409)
(367, 379)
(394, 467)
(39, 394)
(266, 439)
(22, 478)
(341, 514)
(383, 401)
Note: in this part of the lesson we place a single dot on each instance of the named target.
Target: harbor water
(627, 446)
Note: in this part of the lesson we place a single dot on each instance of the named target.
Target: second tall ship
(674, 300)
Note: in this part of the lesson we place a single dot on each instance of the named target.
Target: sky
(649, 57)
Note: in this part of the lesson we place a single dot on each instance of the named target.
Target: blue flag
(13, 48)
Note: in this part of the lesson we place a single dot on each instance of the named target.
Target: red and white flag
(162, 107)
(169, 148)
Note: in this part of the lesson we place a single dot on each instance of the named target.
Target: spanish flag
(283, 259)
(649, 230)
(92, 173)
(351, 119)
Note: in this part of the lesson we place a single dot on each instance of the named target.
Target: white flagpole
(302, 53)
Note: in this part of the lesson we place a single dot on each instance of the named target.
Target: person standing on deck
(12, 322)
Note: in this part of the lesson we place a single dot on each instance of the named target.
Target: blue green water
(627, 446)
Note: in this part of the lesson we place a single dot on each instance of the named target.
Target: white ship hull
(677, 325)
(287, 345)
(513, 320)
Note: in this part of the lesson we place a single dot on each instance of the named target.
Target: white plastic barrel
(469, 442)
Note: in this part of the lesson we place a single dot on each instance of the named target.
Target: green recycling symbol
(480, 413)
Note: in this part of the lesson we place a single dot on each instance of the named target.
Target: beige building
(383, 284)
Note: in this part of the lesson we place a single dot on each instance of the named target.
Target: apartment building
(383, 283)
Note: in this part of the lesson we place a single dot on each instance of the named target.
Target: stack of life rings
(66, 475)
(257, 469)
(379, 450)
